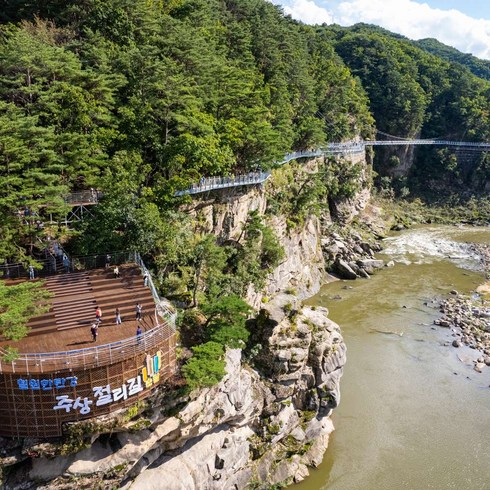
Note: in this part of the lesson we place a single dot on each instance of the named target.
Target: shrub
(206, 367)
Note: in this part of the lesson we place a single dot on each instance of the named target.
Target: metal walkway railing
(89, 357)
(253, 178)
(212, 183)
(163, 306)
(348, 148)
(466, 144)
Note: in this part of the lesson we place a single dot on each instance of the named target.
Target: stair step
(76, 295)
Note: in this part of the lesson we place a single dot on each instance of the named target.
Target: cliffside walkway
(253, 178)
(207, 184)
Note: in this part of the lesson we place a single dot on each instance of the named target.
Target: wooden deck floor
(66, 326)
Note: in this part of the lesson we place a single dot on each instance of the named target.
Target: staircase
(76, 296)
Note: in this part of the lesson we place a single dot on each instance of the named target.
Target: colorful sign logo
(151, 370)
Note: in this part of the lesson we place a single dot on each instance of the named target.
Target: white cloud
(418, 20)
(413, 19)
(307, 11)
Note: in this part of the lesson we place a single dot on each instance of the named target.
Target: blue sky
(479, 9)
(462, 24)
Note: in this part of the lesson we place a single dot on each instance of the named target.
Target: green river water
(413, 413)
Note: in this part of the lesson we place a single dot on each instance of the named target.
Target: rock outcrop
(350, 256)
(303, 267)
(248, 426)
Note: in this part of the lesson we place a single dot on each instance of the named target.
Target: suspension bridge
(344, 149)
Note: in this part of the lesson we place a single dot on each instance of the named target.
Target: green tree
(226, 317)
(206, 367)
(208, 262)
(19, 303)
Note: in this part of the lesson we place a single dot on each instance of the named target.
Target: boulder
(371, 264)
(344, 270)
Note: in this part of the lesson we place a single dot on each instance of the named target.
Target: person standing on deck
(107, 261)
(31, 272)
(98, 314)
(139, 332)
(94, 330)
(116, 272)
(146, 276)
(66, 263)
(139, 310)
(118, 317)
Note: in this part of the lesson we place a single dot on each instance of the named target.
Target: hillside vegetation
(416, 94)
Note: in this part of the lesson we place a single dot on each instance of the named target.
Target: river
(413, 414)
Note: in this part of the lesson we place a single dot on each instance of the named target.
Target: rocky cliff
(303, 267)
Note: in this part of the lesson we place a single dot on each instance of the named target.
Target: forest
(140, 98)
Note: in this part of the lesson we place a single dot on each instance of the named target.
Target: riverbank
(469, 316)
(404, 213)
(401, 395)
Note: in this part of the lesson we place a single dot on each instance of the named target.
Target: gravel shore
(469, 317)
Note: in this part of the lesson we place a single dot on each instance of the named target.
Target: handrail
(89, 196)
(253, 178)
(471, 144)
(75, 263)
(97, 261)
(212, 183)
(344, 148)
(162, 305)
(90, 356)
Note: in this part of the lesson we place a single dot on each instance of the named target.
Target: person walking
(139, 333)
(94, 330)
(66, 263)
(31, 272)
(118, 317)
(107, 261)
(139, 310)
(98, 314)
(146, 276)
(116, 272)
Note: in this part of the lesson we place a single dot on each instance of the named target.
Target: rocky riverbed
(469, 317)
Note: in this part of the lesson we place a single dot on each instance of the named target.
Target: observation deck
(62, 375)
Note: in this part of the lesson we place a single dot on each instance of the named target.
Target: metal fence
(60, 261)
(87, 197)
(97, 261)
(163, 307)
(45, 267)
(212, 183)
(88, 357)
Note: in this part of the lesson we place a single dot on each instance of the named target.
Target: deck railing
(89, 357)
(87, 197)
(163, 307)
(97, 261)
(50, 266)
(212, 183)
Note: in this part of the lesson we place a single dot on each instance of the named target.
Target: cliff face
(302, 268)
